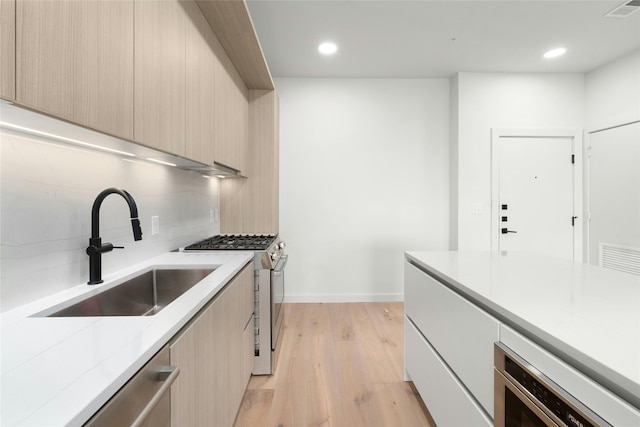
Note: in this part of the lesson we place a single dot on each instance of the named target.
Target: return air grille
(624, 10)
(622, 258)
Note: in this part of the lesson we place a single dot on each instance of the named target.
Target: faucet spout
(133, 210)
(96, 248)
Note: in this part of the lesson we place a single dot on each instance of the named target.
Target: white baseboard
(302, 298)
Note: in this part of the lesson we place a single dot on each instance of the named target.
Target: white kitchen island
(585, 318)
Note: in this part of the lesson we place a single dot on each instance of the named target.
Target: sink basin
(143, 295)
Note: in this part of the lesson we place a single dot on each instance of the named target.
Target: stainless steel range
(269, 263)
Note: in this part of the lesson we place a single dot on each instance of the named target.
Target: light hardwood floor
(340, 365)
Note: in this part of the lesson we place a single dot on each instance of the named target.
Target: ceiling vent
(624, 10)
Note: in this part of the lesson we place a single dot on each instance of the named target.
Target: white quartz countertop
(586, 315)
(59, 371)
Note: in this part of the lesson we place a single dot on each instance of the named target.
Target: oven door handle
(283, 261)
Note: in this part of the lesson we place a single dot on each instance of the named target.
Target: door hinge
(573, 159)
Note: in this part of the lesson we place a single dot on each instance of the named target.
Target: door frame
(498, 134)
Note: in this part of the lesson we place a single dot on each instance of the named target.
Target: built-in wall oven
(524, 397)
(269, 263)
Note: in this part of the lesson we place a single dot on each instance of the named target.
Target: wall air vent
(621, 258)
(624, 10)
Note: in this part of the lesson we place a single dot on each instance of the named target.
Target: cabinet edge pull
(144, 414)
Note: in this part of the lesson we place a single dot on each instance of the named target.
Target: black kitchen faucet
(96, 248)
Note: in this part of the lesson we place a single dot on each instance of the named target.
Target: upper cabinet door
(74, 60)
(199, 86)
(7, 49)
(160, 99)
(231, 118)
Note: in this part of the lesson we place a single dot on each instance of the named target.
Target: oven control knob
(274, 256)
(281, 245)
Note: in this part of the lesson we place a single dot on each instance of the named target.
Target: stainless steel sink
(144, 295)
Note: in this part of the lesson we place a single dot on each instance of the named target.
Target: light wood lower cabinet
(215, 356)
(74, 60)
(7, 49)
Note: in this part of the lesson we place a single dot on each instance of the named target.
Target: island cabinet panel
(200, 69)
(7, 49)
(215, 356)
(462, 334)
(74, 60)
(160, 73)
(231, 114)
(448, 401)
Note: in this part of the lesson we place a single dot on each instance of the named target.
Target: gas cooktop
(229, 242)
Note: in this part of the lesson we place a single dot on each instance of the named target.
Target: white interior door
(614, 197)
(534, 195)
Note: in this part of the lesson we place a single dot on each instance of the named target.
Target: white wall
(613, 93)
(453, 163)
(364, 176)
(47, 190)
(496, 100)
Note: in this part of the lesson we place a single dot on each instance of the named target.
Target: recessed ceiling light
(554, 53)
(327, 48)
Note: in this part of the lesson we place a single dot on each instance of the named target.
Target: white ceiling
(430, 39)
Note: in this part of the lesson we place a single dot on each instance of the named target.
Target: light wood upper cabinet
(252, 205)
(200, 68)
(160, 100)
(7, 49)
(215, 355)
(231, 118)
(74, 60)
(151, 72)
(232, 25)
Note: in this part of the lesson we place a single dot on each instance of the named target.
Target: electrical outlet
(155, 225)
(217, 215)
(476, 209)
(211, 216)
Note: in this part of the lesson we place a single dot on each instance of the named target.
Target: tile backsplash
(47, 190)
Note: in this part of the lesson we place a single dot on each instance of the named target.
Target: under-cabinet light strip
(62, 138)
(161, 162)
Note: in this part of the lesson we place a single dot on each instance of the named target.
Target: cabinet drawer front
(458, 330)
(449, 403)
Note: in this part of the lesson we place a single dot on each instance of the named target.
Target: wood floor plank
(255, 408)
(341, 365)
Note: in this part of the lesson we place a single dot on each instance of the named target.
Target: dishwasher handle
(173, 372)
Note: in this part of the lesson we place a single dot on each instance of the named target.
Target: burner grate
(233, 242)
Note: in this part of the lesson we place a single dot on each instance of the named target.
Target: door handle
(505, 231)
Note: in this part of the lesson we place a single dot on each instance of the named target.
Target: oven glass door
(517, 414)
(514, 409)
(277, 300)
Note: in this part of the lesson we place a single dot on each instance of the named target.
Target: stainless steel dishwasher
(143, 401)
